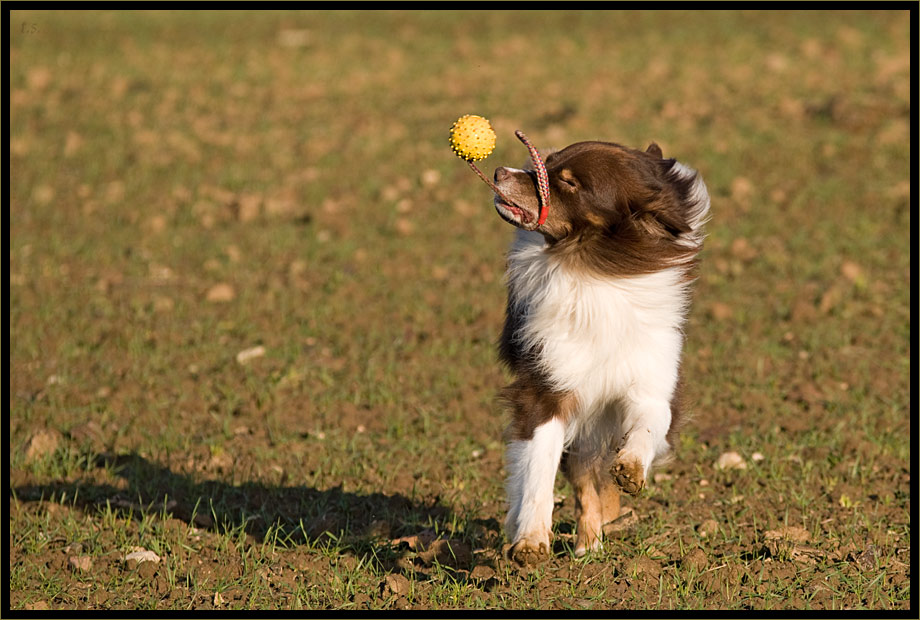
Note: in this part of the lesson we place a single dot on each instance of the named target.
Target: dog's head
(616, 208)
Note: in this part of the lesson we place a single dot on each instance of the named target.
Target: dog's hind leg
(597, 498)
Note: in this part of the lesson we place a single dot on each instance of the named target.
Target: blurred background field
(254, 298)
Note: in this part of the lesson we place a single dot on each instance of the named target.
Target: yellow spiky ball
(472, 137)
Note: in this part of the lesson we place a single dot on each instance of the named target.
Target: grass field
(254, 299)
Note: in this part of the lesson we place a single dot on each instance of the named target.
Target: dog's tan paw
(629, 475)
(528, 553)
(584, 547)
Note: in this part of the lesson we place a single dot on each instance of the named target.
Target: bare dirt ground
(254, 300)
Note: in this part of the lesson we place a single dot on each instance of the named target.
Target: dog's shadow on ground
(364, 524)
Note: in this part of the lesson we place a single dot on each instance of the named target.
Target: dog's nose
(501, 174)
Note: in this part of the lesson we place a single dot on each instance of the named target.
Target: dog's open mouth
(514, 214)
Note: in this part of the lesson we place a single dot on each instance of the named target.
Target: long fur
(596, 349)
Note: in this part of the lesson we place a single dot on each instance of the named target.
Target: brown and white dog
(597, 298)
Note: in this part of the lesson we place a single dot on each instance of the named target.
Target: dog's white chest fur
(601, 339)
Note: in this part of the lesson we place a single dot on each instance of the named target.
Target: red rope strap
(542, 177)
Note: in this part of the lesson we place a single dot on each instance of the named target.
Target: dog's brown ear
(660, 215)
(654, 149)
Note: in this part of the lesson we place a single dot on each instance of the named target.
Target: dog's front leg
(532, 465)
(647, 422)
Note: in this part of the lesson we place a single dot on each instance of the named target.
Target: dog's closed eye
(568, 181)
